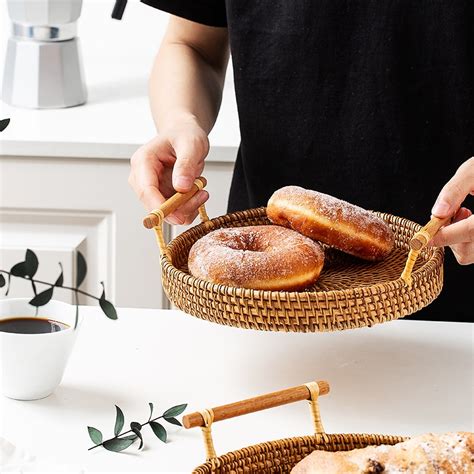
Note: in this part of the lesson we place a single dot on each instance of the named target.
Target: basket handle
(419, 241)
(154, 220)
(424, 235)
(309, 391)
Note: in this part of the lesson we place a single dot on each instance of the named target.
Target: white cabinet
(55, 252)
(58, 206)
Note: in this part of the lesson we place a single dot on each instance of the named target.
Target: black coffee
(31, 325)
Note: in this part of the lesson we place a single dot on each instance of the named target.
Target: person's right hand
(169, 163)
(459, 235)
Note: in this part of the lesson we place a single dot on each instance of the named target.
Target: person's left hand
(459, 235)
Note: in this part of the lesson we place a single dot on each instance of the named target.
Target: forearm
(184, 85)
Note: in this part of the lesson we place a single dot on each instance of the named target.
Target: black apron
(371, 101)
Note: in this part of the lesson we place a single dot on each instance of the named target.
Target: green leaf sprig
(4, 124)
(124, 440)
(27, 270)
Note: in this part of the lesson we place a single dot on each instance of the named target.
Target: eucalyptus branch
(126, 432)
(52, 285)
(27, 269)
(125, 439)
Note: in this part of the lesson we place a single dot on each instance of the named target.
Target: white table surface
(403, 377)
(116, 119)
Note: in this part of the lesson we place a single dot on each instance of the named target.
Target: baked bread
(448, 453)
(333, 221)
(262, 257)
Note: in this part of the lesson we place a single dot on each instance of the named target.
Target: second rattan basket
(282, 455)
(349, 294)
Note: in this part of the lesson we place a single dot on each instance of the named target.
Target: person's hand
(169, 163)
(459, 235)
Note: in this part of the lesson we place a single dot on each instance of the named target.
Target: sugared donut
(330, 220)
(265, 257)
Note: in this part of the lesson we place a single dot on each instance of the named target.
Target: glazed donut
(330, 220)
(264, 257)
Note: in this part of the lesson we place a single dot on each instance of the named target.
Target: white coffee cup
(32, 365)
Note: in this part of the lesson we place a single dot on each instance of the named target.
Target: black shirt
(371, 101)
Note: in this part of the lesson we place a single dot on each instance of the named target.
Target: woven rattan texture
(282, 455)
(349, 294)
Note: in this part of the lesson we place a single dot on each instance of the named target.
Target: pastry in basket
(330, 220)
(448, 453)
(265, 257)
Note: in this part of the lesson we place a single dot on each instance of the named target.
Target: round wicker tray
(349, 294)
(282, 455)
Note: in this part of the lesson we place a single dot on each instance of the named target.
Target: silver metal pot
(43, 68)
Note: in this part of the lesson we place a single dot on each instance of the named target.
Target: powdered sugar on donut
(260, 257)
(335, 209)
(333, 221)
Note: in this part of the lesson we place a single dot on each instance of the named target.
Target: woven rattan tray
(282, 455)
(350, 293)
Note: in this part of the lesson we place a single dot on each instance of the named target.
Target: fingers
(464, 253)
(167, 164)
(463, 213)
(189, 211)
(455, 191)
(145, 171)
(459, 232)
(190, 152)
(459, 235)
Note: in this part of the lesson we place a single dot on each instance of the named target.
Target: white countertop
(116, 119)
(403, 377)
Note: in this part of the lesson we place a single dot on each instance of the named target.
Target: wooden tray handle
(424, 235)
(205, 418)
(154, 220)
(252, 405)
(156, 217)
(419, 241)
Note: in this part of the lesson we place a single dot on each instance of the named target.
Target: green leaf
(2, 281)
(159, 431)
(118, 444)
(173, 421)
(95, 435)
(119, 421)
(136, 427)
(81, 269)
(175, 411)
(19, 270)
(60, 279)
(42, 298)
(132, 437)
(151, 410)
(31, 263)
(4, 124)
(108, 308)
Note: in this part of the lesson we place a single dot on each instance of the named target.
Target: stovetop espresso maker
(43, 67)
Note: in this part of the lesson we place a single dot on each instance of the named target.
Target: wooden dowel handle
(171, 204)
(423, 236)
(251, 405)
